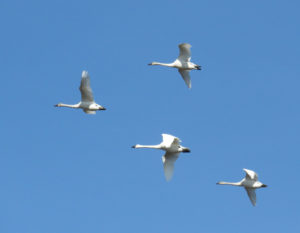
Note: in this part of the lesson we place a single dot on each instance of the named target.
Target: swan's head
(154, 63)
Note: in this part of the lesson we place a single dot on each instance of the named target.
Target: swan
(250, 183)
(87, 102)
(172, 146)
(182, 63)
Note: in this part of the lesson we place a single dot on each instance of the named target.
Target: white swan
(182, 63)
(87, 102)
(172, 146)
(250, 183)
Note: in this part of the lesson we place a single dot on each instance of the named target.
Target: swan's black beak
(102, 108)
(264, 186)
(133, 146)
(186, 150)
(56, 105)
(150, 64)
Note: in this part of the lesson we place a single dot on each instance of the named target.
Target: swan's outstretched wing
(184, 52)
(251, 175)
(168, 140)
(185, 74)
(252, 195)
(168, 160)
(85, 88)
(89, 111)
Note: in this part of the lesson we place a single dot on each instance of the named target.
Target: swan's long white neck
(230, 183)
(148, 146)
(162, 64)
(68, 105)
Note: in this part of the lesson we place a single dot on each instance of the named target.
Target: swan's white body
(87, 103)
(172, 146)
(250, 183)
(182, 63)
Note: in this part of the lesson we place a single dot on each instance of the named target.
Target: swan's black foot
(186, 150)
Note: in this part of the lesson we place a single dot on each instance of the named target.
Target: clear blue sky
(63, 171)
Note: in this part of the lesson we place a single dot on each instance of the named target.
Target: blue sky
(64, 171)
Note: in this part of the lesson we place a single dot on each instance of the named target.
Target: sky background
(65, 171)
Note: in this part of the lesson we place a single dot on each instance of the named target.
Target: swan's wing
(252, 195)
(168, 140)
(184, 52)
(89, 111)
(85, 88)
(251, 175)
(185, 74)
(169, 160)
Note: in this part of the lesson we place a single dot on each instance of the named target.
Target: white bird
(87, 103)
(172, 146)
(250, 183)
(182, 63)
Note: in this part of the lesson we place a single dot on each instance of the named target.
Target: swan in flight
(182, 63)
(87, 102)
(250, 183)
(172, 146)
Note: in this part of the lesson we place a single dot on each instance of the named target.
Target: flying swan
(87, 103)
(172, 146)
(250, 183)
(182, 63)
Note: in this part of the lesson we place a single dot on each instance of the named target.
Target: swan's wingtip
(185, 44)
(84, 74)
(168, 179)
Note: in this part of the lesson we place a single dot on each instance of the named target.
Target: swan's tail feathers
(198, 67)
(89, 112)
